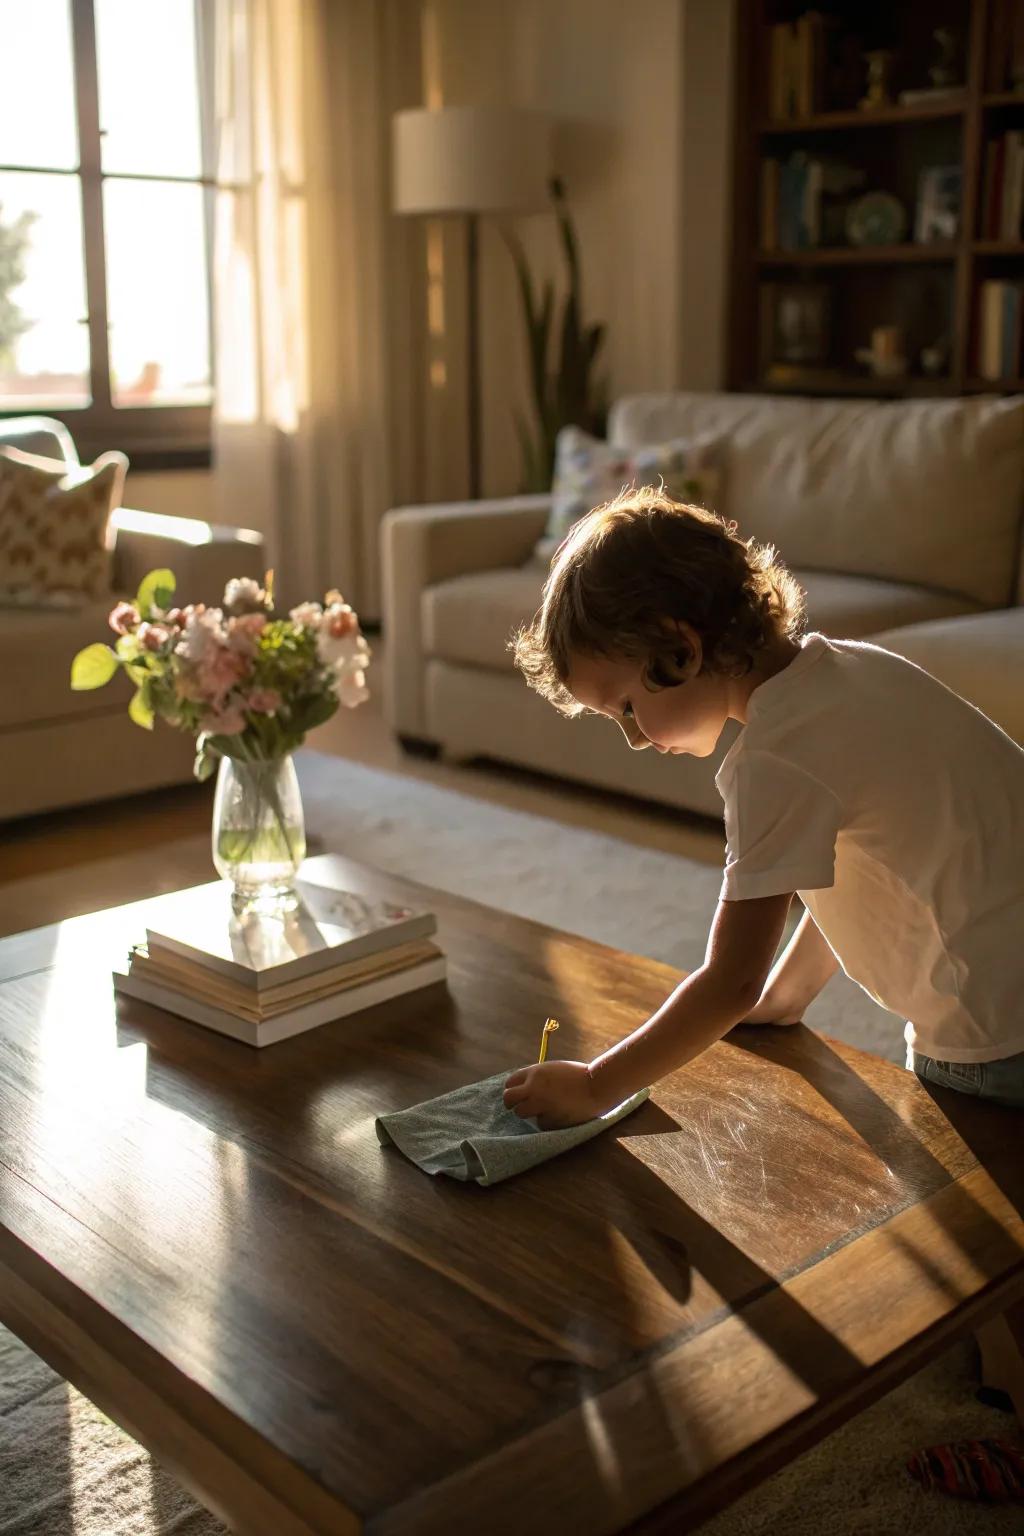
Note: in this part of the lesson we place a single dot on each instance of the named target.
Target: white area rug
(65, 1470)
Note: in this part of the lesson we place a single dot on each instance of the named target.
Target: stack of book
(1001, 318)
(798, 62)
(1002, 195)
(263, 979)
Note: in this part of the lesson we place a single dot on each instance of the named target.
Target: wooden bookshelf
(930, 291)
(882, 117)
(865, 255)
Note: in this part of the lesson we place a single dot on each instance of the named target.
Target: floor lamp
(471, 160)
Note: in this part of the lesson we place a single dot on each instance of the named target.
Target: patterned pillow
(589, 472)
(55, 537)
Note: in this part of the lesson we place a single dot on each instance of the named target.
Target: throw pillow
(589, 472)
(56, 541)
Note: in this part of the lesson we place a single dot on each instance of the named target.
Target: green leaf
(93, 667)
(312, 712)
(228, 746)
(157, 587)
(140, 710)
(205, 765)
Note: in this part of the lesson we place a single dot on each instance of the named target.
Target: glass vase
(259, 837)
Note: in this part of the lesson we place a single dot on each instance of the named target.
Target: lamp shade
(470, 160)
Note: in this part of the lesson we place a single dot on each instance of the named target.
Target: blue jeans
(1001, 1081)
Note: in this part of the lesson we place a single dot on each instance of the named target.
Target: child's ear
(668, 669)
(685, 649)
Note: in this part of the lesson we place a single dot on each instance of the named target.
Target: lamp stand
(473, 350)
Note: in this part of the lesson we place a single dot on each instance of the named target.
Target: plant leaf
(313, 712)
(205, 765)
(93, 667)
(140, 710)
(157, 585)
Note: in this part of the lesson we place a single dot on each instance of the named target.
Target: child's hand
(554, 1093)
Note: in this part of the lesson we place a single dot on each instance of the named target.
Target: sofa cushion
(37, 647)
(980, 658)
(471, 618)
(56, 541)
(589, 472)
(923, 491)
(850, 607)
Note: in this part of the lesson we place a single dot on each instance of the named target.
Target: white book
(324, 1011)
(328, 928)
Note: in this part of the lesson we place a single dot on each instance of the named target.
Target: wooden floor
(87, 844)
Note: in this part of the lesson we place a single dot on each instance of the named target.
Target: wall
(706, 106)
(641, 98)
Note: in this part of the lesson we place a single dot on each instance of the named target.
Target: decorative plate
(876, 219)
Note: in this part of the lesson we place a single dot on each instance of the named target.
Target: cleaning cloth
(469, 1134)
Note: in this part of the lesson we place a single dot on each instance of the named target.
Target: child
(894, 809)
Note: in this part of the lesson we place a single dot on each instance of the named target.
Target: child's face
(686, 717)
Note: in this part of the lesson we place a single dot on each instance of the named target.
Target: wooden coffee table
(316, 1337)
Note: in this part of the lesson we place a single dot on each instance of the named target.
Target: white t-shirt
(896, 811)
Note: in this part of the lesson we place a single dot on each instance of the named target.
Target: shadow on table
(990, 1132)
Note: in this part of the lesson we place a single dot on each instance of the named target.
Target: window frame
(154, 436)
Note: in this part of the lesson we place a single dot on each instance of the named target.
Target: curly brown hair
(629, 568)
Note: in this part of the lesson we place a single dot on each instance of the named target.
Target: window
(105, 223)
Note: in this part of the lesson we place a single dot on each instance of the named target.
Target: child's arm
(711, 1001)
(803, 968)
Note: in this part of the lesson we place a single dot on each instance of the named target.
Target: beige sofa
(59, 748)
(901, 519)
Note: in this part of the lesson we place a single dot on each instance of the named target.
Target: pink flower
(264, 701)
(175, 616)
(123, 618)
(218, 670)
(244, 632)
(153, 636)
(224, 722)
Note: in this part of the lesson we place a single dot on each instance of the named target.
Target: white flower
(202, 632)
(307, 615)
(340, 645)
(351, 688)
(244, 595)
(344, 651)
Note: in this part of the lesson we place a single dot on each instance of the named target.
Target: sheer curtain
(318, 313)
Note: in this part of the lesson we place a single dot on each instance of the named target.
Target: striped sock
(988, 1471)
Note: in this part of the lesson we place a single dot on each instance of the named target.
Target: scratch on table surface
(711, 1164)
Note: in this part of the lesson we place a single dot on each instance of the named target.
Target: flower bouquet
(248, 685)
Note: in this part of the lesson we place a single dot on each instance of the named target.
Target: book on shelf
(269, 1030)
(1006, 46)
(769, 204)
(803, 201)
(797, 58)
(329, 928)
(1000, 324)
(1002, 196)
